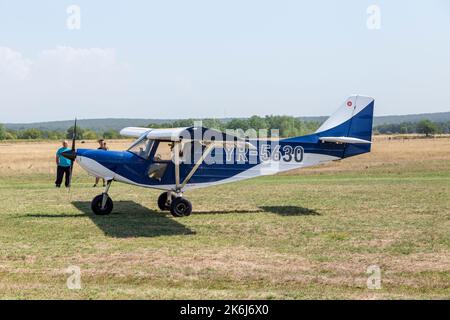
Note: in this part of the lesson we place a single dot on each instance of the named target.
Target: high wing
(133, 132)
(202, 134)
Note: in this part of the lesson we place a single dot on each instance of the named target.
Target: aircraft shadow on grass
(290, 210)
(280, 210)
(128, 220)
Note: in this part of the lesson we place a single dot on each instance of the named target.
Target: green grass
(288, 237)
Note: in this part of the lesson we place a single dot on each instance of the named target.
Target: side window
(164, 151)
(185, 154)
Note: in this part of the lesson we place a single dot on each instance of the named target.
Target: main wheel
(96, 205)
(162, 202)
(180, 207)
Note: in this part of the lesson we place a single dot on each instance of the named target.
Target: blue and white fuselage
(165, 159)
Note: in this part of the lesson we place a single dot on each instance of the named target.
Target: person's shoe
(57, 186)
(95, 185)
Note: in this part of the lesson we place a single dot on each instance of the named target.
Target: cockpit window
(142, 148)
(164, 152)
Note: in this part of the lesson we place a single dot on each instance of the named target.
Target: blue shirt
(63, 162)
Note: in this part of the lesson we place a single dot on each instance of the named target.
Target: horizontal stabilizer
(344, 140)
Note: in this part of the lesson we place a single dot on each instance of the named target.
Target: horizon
(217, 118)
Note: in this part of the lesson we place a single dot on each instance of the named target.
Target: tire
(162, 200)
(181, 207)
(96, 205)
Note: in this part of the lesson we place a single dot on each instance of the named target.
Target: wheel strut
(105, 194)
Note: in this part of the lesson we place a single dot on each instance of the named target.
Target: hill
(93, 124)
(397, 119)
(119, 123)
(435, 117)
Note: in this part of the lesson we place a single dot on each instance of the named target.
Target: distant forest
(288, 127)
(424, 126)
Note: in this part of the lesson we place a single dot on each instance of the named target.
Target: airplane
(179, 159)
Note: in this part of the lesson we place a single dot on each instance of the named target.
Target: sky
(215, 58)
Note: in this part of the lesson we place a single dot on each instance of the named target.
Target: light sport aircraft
(179, 159)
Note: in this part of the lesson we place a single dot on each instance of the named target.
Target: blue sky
(179, 59)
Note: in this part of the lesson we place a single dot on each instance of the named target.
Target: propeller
(74, 135)
(72, 154)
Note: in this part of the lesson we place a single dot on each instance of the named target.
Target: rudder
(354, 119)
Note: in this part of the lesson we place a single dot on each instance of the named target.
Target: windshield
(142, 147)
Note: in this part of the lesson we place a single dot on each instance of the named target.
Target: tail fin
(352, 119)
(351, 124)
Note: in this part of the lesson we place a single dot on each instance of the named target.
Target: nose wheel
(103, 204)
(178, 206)
(97, 205)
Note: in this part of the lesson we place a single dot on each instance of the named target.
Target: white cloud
(13, 66)
(73, 66)
(58, 80)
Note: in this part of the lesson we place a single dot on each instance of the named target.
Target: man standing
(101, 146)
(64, 165)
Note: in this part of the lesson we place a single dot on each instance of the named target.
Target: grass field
(303, 235)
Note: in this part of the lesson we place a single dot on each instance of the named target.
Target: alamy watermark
(374, 279)
(374, 17)
(74, 280)
(234, 146)
(73, 21)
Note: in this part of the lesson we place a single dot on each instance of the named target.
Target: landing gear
(97, 205)
(163, 203)
(181, 207)
(178, 206)
(103, 204)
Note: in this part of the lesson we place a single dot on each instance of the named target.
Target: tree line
(41, 134)
(426, 127)
(288, 127)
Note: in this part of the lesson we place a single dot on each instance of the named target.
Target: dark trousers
(60, 172)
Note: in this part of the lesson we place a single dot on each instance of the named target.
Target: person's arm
(57, 159)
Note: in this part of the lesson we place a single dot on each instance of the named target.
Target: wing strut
(176, 148)
(179, 187)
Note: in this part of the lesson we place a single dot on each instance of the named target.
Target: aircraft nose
(71, 155)
(100, 163)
